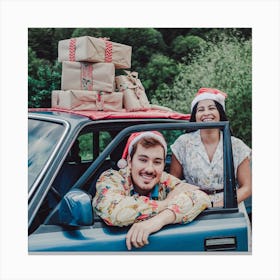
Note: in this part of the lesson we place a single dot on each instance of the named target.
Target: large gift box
(87, 100)
(93, 49)
(88, 76)
(134, 96)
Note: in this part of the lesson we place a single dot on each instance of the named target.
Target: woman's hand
(219, 203)
(181, 188)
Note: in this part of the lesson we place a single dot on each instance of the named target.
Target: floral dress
(198, 169)
(117, 203)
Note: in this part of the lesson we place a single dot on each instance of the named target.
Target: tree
(159, 71)
(187, 47)
(44, 41)
(226, 66)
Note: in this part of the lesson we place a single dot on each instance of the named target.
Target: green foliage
(145, 43)
(85, 146)
(48, 78)
(215, 35)
(34, 63)
(226, 66)
(44, 41)
(159, 71)
(187, 47)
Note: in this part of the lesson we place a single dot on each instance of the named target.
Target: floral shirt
(197, 168)
(117, 203)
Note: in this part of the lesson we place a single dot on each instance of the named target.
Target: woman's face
(146, 166)
(207, 111)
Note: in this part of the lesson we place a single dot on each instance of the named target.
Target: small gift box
(87, 100)
(88, 76)
(93, 49)
(134, 96)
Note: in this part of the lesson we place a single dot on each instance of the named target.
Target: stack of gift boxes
(88, 80)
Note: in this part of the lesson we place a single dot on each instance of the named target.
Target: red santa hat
(136, 137)
(209, 93)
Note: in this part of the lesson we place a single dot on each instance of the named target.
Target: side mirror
(75, 209)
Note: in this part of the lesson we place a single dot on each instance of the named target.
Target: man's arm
(182, 205)
(138, 234)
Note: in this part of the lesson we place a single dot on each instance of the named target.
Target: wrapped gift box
(87, 100)
(134, 96)
(88, 76)
(93, 49)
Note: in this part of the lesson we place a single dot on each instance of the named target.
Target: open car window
(171, 132)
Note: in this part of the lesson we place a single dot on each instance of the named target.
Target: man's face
(146, 167)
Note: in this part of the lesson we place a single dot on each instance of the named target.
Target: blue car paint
(172, 239)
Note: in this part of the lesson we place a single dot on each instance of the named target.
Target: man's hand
(138, 234)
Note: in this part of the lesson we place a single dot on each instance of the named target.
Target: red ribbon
(86, 76)
(72, 49)
(108, 51)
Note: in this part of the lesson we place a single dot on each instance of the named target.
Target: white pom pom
(122, 163)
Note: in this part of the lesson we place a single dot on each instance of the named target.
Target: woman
(197, 156)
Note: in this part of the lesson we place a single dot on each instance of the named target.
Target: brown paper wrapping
(88, 76)
(134, 98)
(87, 100)
(93, 49)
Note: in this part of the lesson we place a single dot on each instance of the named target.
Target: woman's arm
(176, 168)
(244, 178)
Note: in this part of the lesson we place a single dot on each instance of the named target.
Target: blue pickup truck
(68, 150)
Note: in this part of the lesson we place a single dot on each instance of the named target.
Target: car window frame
(34, 204)
(230, 197)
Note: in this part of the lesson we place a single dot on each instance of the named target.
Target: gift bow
(139, 90)
(137, 85)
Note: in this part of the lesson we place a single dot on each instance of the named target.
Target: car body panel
(174, 238)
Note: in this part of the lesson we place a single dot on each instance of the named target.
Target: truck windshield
(43, 137)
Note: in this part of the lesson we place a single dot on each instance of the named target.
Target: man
(142, 194)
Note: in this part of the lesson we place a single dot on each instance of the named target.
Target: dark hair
(223, 116)
(145, 142)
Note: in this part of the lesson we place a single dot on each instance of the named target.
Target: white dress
(198, 170)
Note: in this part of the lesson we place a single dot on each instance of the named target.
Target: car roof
(111, 115)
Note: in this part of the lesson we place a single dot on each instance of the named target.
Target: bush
(226, 66)
(47, 78)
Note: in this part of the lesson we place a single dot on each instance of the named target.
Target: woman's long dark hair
(223, 116)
